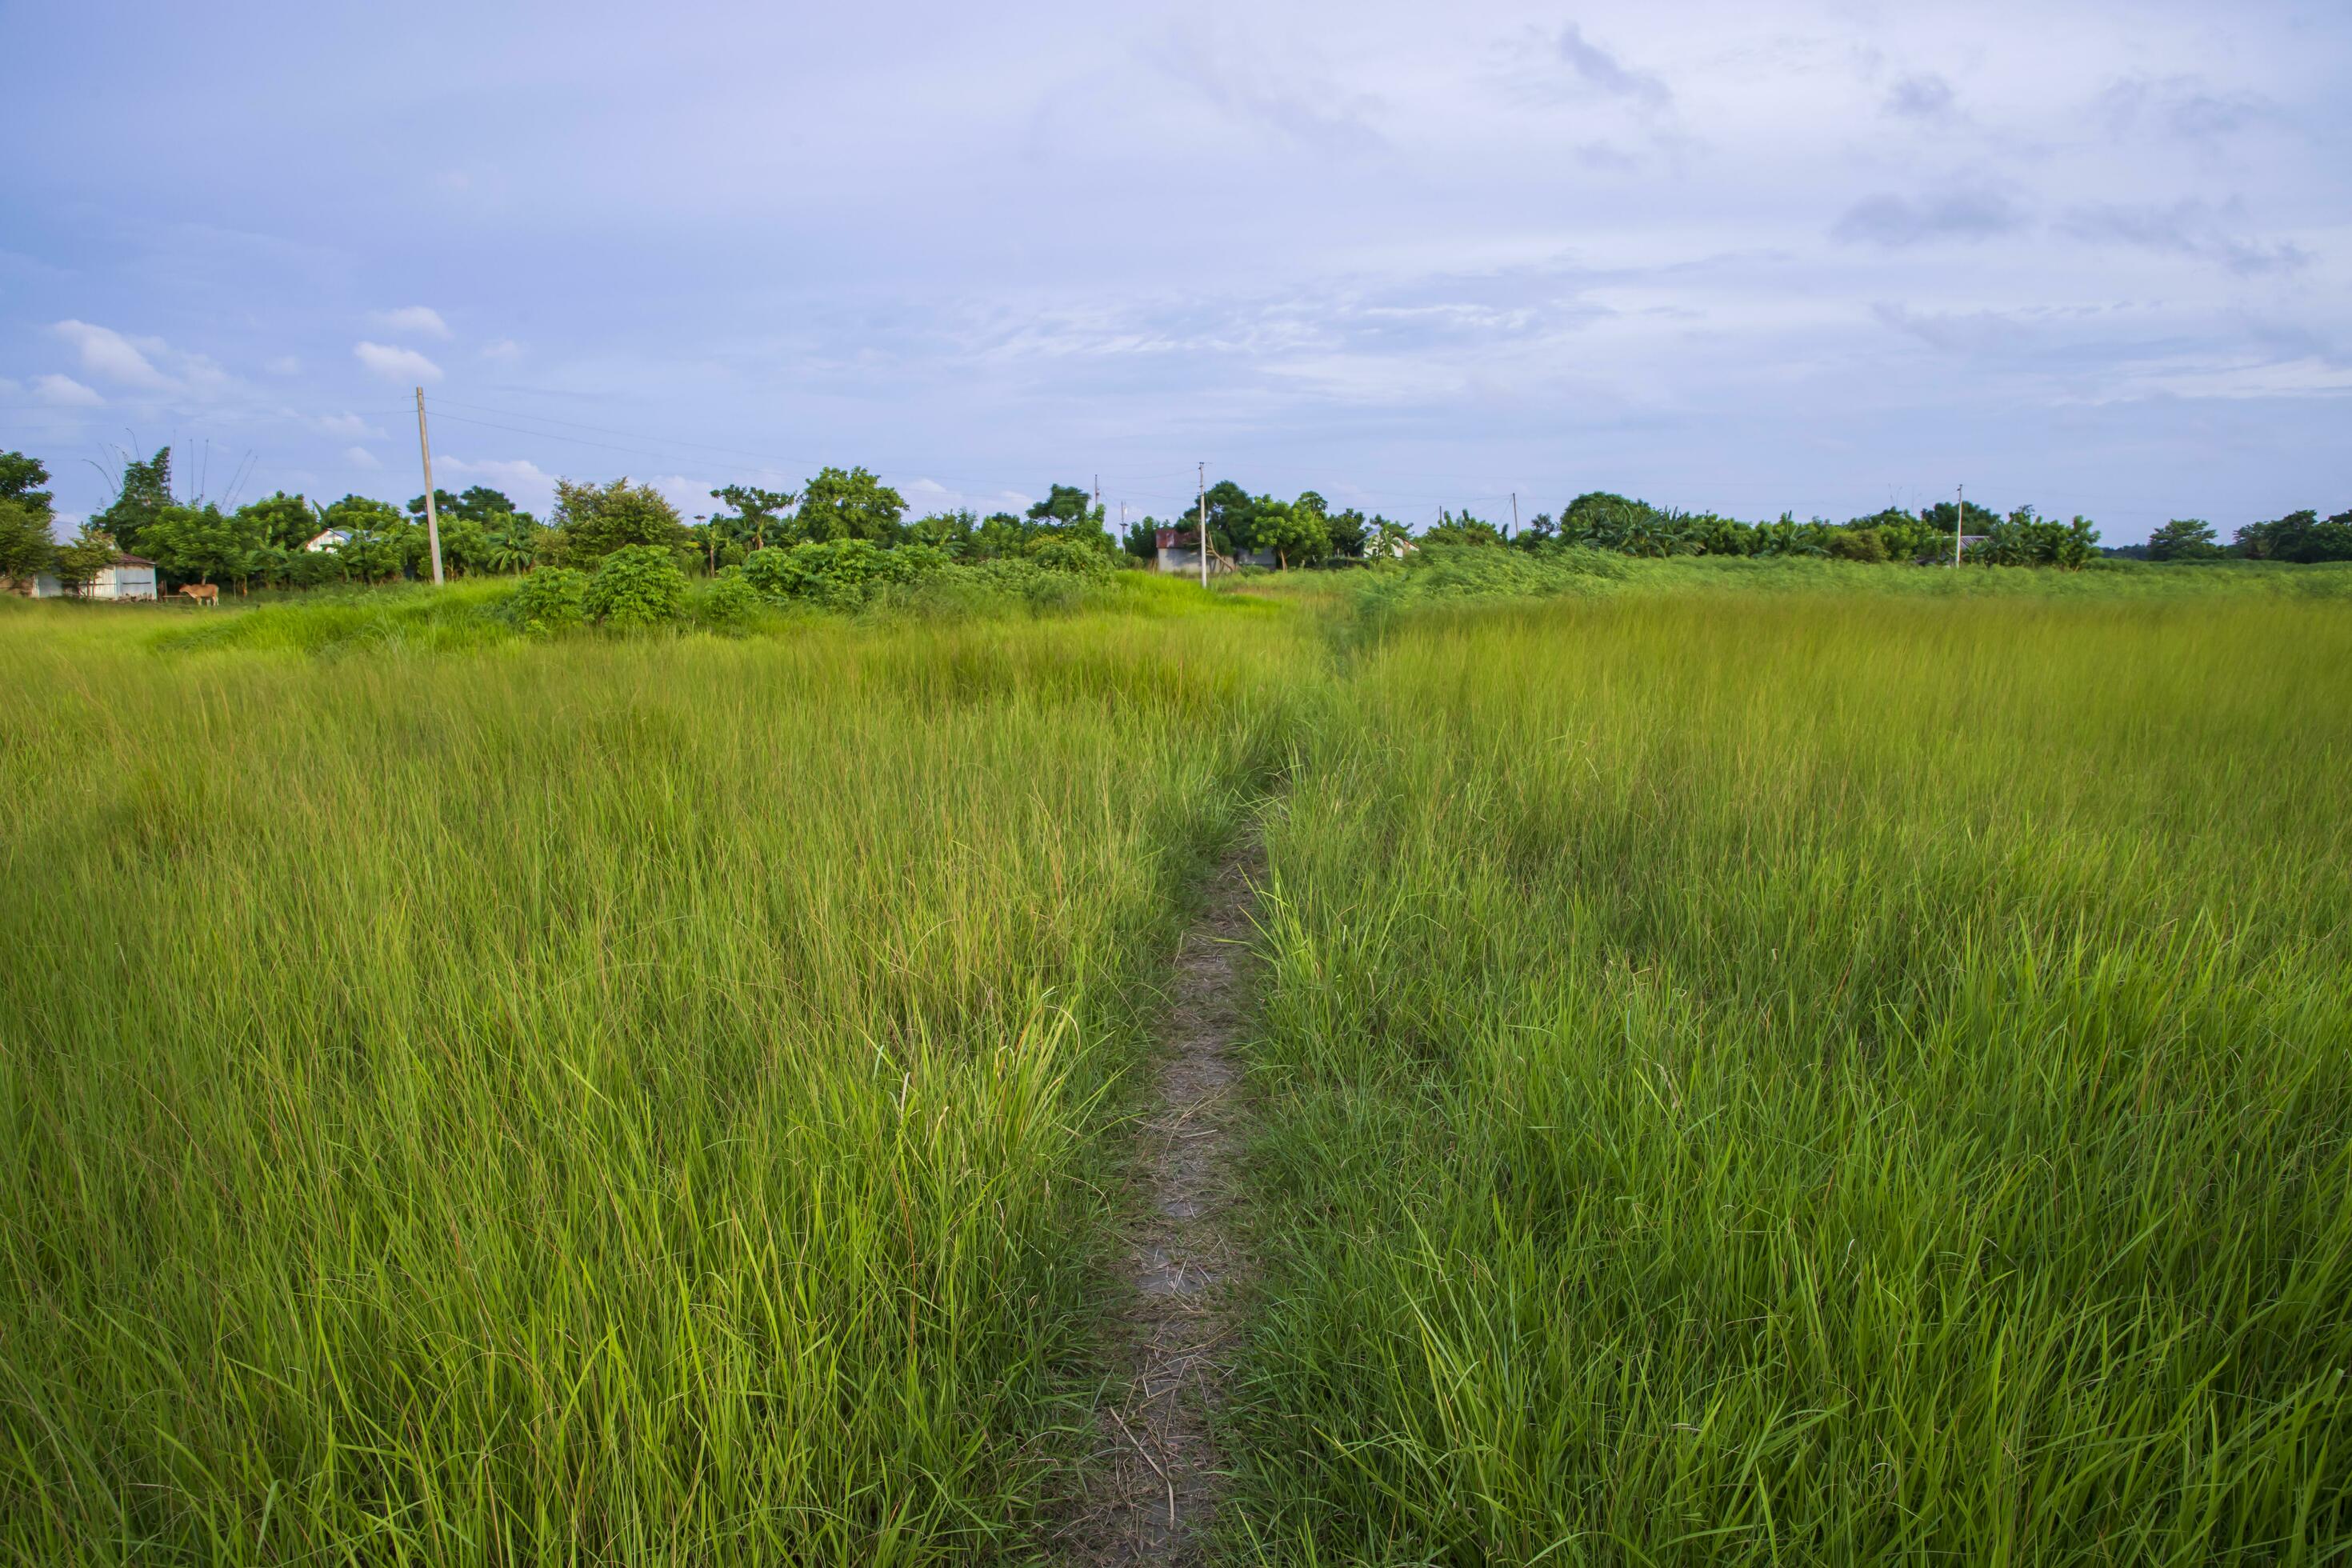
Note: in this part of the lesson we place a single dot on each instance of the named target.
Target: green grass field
(593, 1103)
(1798, 1079)
(1750, 1068)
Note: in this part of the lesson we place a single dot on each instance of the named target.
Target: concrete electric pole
(432, 514)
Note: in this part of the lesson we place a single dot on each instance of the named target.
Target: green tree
(2184, 539)
(1063, 505)
(2023, 539)
(443, 505)
(481, 531)
(27, 545)
(1857, 542)
(378, 540)
(759, 518)
(1709, 534)
(27, 549)
(1903, 535)
(486, 505)
(141, 492)
(79, 563)
(286, 522)
(465, 545)
(593, 520)
(951, 531)
(852, 504)
(1000, 536)
(1785, 536)
(1142, 540)
(1601, 518)
(1464, 529)
(2299, 536)
(1067, 516)
(21, 479)
(515, 542)
(204, 545)
(1294, 534)
(1348, 529)
(1230, 509)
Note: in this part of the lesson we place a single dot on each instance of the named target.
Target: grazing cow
(202, 593)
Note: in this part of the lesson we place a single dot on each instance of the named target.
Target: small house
(130, 577)
(327, 539)
(1179, 551)
(122, 580)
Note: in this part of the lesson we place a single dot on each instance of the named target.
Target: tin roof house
(1178, 551)
(125, 578)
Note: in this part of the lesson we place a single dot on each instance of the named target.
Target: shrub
(593, 520)
(729, 603)
(837, 574)
(1446, 572)
(1858, 544)
(913, 562)
(840, 574)
(552, 599)
(638, 586)
(1075, 559)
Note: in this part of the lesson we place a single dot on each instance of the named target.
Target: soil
(1162, 1477)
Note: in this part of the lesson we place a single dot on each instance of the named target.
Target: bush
(1439, 573)
(729, 603)
(638, 586)
(1858, 544)
(1074, 560)
(840, 574)
(552, 599)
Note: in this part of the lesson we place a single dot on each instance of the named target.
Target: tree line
(290, 541)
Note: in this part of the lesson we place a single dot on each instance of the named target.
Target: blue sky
(1746, 257)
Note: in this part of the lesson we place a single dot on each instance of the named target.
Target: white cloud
(65, 390)
(361, 457)
(347, 425)
(691, 497)
(504, 348)
(926, 496)
(523, 481)
(284, 364)
(419, 319)
(107, 352)
(396, 363)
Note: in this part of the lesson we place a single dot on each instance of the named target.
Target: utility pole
(1099, 495)
(1959, 524)
(1204, 525)
(1515, 513)
(432, 515)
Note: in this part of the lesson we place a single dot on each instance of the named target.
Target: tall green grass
(615, 1101)
(1800, 1079)
(1801, 1075)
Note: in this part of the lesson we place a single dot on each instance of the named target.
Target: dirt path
(1160, 1495)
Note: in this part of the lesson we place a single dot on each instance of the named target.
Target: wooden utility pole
(432, 514)
(1959, 524)
(1204, 525)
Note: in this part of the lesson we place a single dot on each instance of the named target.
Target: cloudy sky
(1749, 257)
